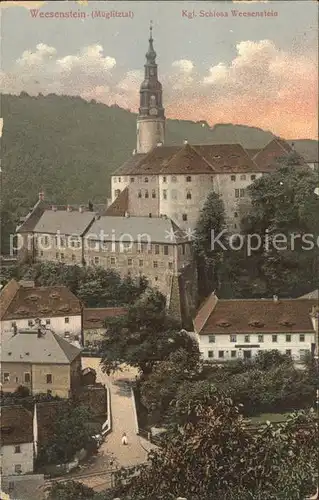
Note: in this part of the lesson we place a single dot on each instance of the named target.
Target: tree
(144, 337)
(71, 490)
(71, 434)
(211, 223)
(215, 454)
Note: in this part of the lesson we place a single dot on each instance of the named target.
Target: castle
(157, 196)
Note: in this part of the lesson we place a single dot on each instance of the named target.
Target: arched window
(139, 193)
(188, 195)
(146, 193)
(145, 179)
(188, 178)
(153, 193)
(152, 100)
(243, 177)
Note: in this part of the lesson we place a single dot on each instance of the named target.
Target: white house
(239, 328)
(17, 449)
(22, 305)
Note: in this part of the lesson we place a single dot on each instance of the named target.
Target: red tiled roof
(48, 301)
(129, 165)
(194, 159)
(255, 315)
(7, 295)
(94, 317)
(252, 152)
(119, 205)
(16, 425)
(272, 152)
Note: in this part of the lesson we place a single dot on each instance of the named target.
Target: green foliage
(71, 434)
(22, 391)
(210, 224)
(70, 490)
(95, 286)
(144, 337)
(214, 454)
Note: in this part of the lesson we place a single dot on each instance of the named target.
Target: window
(303, 353)
(260, 338)
(62, 256)
(170, 265)
(140, 263)
(49, 378)
(129, 262)
(112, 261)
(30, 322)
(164, 194)
(233, 338)
(233, 354)
(156, 278)
(243, 177)
(253, 177)
(132, 179)
(139, 193)
(164, 179)
(210, 354)
(233, 177)
(119, 179)
(27, 378)
(41, 253)
(174, 194)
(174, 178)
(188, 178)
(184, 217)
(302, 337)
(47, 321)
(157, 249)
(46, 240)
(288, 352)
(117, 192)
(155, 264)
(153, 193)
(242, 193)
(165, 249)
(6, 377)
(247, 338)
(146, 193)
(236, 214)
(288, 338)
(17, 468)
(73, 258)
(13, 324)
(220, 354)
(57, 255)
(236, 193)
(211, 339)
(145, 179)
(17, 449)
(274, 338)
(188, 195)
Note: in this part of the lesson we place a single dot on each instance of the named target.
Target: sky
(218, 67)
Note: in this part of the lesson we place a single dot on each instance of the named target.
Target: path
(112, 454)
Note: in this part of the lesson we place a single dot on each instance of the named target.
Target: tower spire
(151, 54)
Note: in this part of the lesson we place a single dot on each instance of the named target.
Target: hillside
(69, 147)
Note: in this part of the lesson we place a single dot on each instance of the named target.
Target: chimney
(54, 208)
(68, 208)
(275, 298)
(41, 196)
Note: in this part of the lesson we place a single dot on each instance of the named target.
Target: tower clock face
(153, 111)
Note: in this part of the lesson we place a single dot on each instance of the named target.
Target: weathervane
(151, 29)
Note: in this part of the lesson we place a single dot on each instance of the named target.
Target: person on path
(124, 439)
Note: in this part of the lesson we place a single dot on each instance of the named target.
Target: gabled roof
(137, 229)
(254, 316)
(94, 317)
(307, 148)
(129, 165)
(27, 347)
(67, 223)
(119, 205)
(21, 302)
(268, 156)
(192, 159)
(33, 217)
(16, 425)
(311, 295)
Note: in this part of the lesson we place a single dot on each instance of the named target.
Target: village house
(42, 361)
(240, 328)
(93, 323)
(17, 451)
(23, 306)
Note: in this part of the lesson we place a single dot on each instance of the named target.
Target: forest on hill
(69, 147)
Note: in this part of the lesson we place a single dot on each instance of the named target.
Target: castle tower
(151, 118)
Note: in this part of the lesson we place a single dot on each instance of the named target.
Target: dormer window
(256, 324)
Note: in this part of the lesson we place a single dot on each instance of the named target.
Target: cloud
(261, 86)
